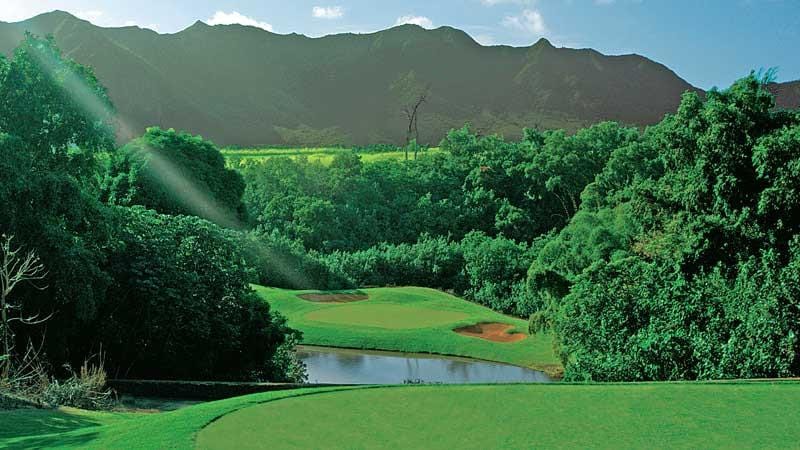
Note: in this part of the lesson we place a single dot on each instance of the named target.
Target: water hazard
(344, 366)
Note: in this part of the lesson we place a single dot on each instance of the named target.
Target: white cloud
(234, 17)
(530, 21)
(422, 21)
(485, 39)
(327, 12)
(19, 10)
(91, 16)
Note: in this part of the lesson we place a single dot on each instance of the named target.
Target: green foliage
(48, 187)
(494, 269)
(410, 222)
(350, 206)
(280, 262)
(176, 173)
(286, 365)
(434, 262)
(166, 297)
(682, 261)
(181, 306)
(56, 106)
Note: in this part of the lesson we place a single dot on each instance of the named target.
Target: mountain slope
(787, 95)
(246, 86)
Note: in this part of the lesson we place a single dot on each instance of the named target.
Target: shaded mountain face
(246, 86)
(787, 95)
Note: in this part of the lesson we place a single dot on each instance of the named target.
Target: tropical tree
(176, 173)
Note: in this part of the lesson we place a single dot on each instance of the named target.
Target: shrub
(85, 389)
(286, 365)
(181, 306)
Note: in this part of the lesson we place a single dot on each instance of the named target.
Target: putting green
(394, 317)
(521, 416)
(414, 320)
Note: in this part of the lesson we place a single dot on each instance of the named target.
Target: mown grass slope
(73, 428)
(410, 319)
(522, 416)
(647, 415)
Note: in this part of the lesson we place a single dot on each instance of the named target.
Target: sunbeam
(194, 198)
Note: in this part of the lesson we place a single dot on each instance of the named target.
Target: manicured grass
(394, 317)
(72, 428)
(321, 155)
(521, 416)
(650, 415)
(410, 319)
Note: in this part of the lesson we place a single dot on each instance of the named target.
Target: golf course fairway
(413, 320)
(646, 415)
(521, 416)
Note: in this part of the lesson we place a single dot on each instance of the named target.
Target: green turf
(649, 415)
(71, 428)
(321, 155)
(409, 319)
(394, 317)
(522, 416)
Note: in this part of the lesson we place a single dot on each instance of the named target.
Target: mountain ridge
(244, 85)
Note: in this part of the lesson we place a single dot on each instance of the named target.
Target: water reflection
(331, 365)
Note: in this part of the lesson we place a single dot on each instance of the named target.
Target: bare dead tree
(411, 111)
(15, 268)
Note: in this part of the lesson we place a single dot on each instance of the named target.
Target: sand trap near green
(649, 416)
(413, 320)
(386, 316)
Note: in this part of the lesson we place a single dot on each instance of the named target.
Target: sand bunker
(335, 298)
(495, 332)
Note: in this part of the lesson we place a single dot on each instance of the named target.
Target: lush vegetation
(410, 320)
(443, 221)
(163, 296)
(683, 260)
(671, 415)
(663, 254)
(178, 174)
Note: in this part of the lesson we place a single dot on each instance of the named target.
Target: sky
(707, 42)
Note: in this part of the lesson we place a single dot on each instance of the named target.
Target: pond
(345, 366)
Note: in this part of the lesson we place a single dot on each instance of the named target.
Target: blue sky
(707, 42)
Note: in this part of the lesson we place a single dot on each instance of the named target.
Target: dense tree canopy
(176, 173)
(681, 261)
(48, 186)
(161, 296)
(672, 253)
(180, 305)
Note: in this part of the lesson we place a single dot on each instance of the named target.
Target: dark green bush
(181, 307)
